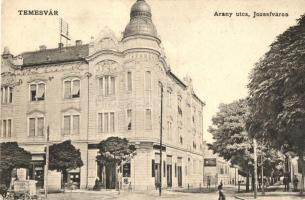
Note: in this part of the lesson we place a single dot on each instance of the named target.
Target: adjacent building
(109, 87)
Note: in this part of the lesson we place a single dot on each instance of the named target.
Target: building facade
(110, 87)
(217, 170)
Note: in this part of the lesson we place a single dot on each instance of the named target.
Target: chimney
(6, 53)
(42, 47)
(60, 45)
(78, 42)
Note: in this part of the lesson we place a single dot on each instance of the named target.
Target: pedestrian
(295, 183)
(221, 193)
(209, 182)
(285, 183)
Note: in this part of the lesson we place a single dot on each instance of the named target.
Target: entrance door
(179, 176)
(169, 175)
(157, 174)
(110, 177)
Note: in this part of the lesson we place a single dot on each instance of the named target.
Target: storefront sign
(210, 162)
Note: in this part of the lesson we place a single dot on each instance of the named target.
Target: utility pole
(47, 165)
(161, 127)
(255, 167)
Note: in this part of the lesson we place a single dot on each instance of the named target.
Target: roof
(48, 56)
(182, 84)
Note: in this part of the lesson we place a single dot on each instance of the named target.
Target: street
(230, 192)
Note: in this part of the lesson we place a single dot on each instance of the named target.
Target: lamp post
(47, 164)
(161, 127)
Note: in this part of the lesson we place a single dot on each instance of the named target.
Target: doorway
(169, 176)
(180, 176)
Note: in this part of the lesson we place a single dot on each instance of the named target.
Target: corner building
(110, 87)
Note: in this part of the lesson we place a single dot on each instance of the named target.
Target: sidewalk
(270, 196)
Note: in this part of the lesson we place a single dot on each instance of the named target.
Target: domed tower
(140, 32)
(140, 21)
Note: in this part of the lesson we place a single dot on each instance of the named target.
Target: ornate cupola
(140, 21)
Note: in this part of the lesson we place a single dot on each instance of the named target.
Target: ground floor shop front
(178, 168)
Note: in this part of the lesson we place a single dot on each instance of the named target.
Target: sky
(217, 52)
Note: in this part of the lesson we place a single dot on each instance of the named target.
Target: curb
(237, 197)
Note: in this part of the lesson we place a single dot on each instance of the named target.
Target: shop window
(126, 170)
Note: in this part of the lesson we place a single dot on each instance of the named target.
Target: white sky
(217, 52)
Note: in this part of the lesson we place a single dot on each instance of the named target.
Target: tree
(64, 156)
(231, 139)
(12, 156)
(277, 94)
(115, 151)
(233, 142)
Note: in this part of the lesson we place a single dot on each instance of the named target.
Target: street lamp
(161, 127)
(47, 164)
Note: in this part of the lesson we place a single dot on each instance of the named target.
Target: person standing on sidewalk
(221, 193)
(285, 180)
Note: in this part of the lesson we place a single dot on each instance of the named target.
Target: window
(75, 89)
(169, 129)
(181, 140)
(148, 124)
(100, 122)
(126, 170)
(106, 79)
(129, 119)
(36, 126)
(169, 99)
(106, 122)
(129, 81)
(37, 91)
(76, 124)
(67, 123)
(71, 124)
(179, 106)
(147, 80)
(194, 145)
(72, 89)
(40, 122)
(6, 95)
(111, 122)
(107, 85)
(6, 128)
